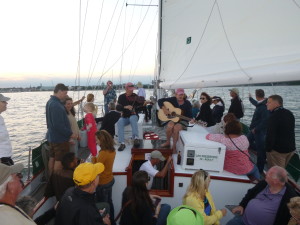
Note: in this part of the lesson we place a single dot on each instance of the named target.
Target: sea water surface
(26, 122)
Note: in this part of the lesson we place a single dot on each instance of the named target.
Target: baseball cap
(86, 173)
(179, 91)
(6, 171)
(157, 155)
(129, 86)
(235, 90)
(3, 98)
(185, 215)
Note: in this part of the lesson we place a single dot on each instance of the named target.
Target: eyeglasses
(203, 98)
(205, 173)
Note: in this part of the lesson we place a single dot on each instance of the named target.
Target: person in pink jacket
(91, 127)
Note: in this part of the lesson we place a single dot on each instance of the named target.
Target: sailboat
(210, 43)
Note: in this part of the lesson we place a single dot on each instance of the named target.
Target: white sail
(232, 42)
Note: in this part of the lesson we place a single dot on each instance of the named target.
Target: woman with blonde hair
(294, 207)
(199, 197)
(106, 156)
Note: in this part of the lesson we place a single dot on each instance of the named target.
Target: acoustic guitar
(175, 115)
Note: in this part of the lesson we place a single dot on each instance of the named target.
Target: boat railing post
(29, 159)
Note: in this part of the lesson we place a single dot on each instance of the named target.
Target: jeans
(122, 122)
(106, 108)
(236, 220)
(104, 194)
(254, 172)
(163, 214)
(257, 142)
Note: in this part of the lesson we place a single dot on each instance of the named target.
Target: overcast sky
(39, 41)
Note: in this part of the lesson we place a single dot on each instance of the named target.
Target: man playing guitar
(173, 128)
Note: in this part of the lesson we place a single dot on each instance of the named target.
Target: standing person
(10, 188)
(173, 128)
(110, 119)
(138, 207)
(199, 197)
(205, 114)
(5, 144)
(150, 166)
(109, 95)
(69, 105)
(218, 109)
(78, 205)
(59, 129)
(236, 106)
(280, 137)
(258, 127)
(266, 202)
(91, 127)
(90, 99)
(106, 156)
(128, 104)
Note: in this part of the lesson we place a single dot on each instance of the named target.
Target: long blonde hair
(199, 185)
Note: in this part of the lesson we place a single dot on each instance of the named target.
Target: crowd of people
(84, 190)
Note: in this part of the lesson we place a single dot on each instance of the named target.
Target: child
(91, 127)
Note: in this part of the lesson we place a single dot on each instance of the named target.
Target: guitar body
(176, 111)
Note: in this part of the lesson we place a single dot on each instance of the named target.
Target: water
(26, 122)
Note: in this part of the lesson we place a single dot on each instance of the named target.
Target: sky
(39, 42)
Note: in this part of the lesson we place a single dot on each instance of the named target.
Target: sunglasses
(202, 98)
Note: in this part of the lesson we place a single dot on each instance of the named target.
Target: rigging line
(229, 44)
(127, 47)
(112, 16)
(124, 28)
(133, 54)
(202, 35)
(130, 24)
(296, 3)
(154, 19)
(95, 43)
(79, 30)
(112, 40)
(139, 5)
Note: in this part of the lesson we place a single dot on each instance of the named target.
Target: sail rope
(94, 47)
(196, 49)
(230, 46)
(127, 47)
(146, 41)
(296, 4)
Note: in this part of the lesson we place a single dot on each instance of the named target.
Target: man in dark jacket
(258, 127)
(280, 138)
(59, 130)
(266, 202)
(128, 104)
(78, 205)
(173, 128)
(236, 106)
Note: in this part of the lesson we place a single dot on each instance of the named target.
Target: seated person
(150, 166)
(173, 128)
(62, 179)
(109, 119)
(185, 215)
(205, 114)
(198, 196)
(266, 202)
(237, 158)
(138, 206)
(77, 205)
(195, 108)
(294, 207)
(128, 103)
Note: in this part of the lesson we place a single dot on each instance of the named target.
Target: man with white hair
(266, 202)
(10, 188)
(5, 144)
